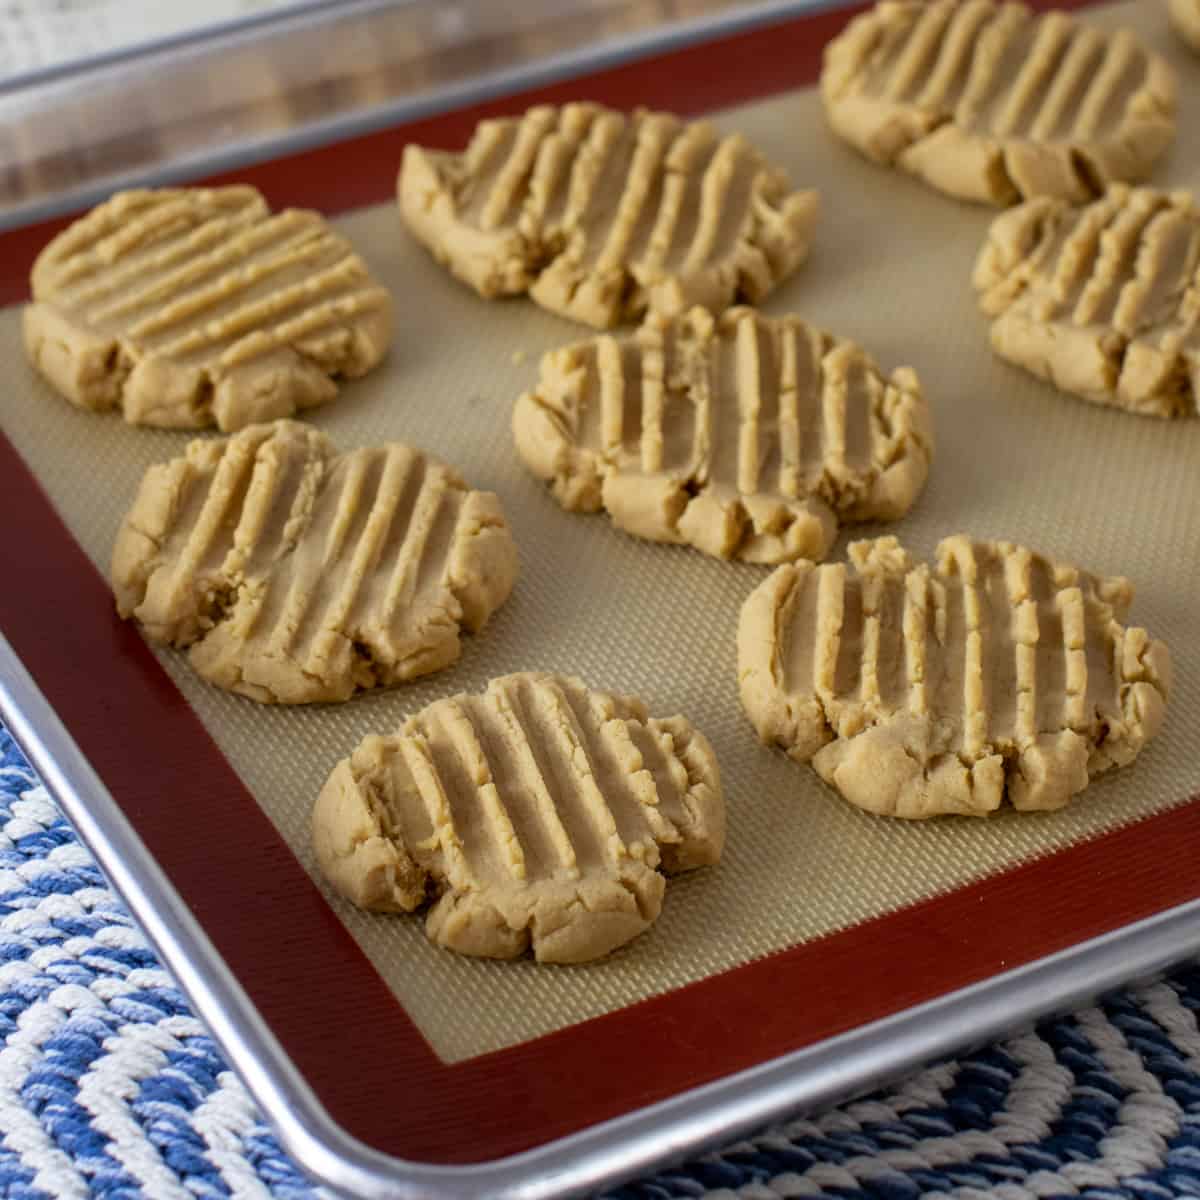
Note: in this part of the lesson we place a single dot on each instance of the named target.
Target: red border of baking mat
(314, 987)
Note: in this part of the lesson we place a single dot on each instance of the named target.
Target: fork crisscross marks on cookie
(189, 307)
(600, 215)
(537, 812)
(745, 436)
(1103, 300)
(298, 574)
(918, 692)
(987, 101)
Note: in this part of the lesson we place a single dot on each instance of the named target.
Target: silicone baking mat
(891, 268)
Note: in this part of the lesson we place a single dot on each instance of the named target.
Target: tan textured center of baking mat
(891, 267)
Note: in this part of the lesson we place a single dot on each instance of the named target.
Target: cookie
(190, 307)
(538, 814)
(746, 436)
(1100, 300)
(987, 102)
(601, 216)
(295, 574)
(1185, 17)
(917, 692)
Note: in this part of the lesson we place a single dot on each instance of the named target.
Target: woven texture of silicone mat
(891, 268)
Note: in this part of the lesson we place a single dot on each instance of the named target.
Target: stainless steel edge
(553, 69)
(628, 1146)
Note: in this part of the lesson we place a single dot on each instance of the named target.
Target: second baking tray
(819, 922)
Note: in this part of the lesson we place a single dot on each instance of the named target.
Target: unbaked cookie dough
(537, 814)
(190, 307)
(296, 574)
(601, 216)
(987, 102)
(917, 692)
(746, 436)
(1100, 300)
(1185, 16)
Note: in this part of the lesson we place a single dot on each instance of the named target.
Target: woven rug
(109, 1086)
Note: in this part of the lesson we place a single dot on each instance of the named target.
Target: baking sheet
(891, 267)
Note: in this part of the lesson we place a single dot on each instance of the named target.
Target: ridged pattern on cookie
(1103, 300)
(600, 216)
(1185, 17)
(194, 307)
(538, 811)
(986, 101)
(746, 436)
(917, 692)
(298, 574)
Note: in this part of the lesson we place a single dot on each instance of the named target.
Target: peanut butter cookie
(986, 101)
(917, 692)
(537, 815)
(601, 216)
(296, 574)
(1102, 301)
(189, 307)
(746, 436)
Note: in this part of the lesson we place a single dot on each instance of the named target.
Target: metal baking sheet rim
(644, 1139)
(607, 1153)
